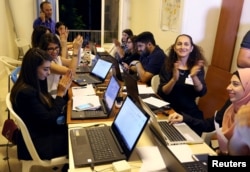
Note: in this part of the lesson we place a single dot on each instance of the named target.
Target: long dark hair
(194, 56)
(46, 39)
(28, 77)
(37, 34)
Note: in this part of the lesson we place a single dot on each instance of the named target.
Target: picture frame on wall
(171, 15)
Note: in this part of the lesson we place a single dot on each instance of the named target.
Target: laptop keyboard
(99, 144)
(93, 113)
(195, 166)
(170, 131)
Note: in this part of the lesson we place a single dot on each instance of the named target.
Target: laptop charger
(121, 166)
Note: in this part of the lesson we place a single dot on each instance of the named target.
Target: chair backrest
(23, 46)
(14, 74)
(155, 81)
(25, 133)
(10, 63)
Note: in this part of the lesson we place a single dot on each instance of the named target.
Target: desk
(146, 139)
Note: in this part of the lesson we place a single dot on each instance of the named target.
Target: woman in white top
(57, 49)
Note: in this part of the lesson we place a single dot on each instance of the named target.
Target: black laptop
(97, 75)
(115, 67)
(107, 103)
(132, 90)
(106, 144)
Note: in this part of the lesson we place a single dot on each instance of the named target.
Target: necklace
(182, 72)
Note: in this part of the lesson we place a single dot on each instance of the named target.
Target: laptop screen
(111, 92)
(131, 86)
(129, 124)
(101, 68)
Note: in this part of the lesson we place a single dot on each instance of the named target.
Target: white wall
(198, 19)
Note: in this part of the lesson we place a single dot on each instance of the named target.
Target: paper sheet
(83, 91)
(178, 151)
(151, 158)
(222, 140)
(155, 101)
(144, 89)
(93, 99)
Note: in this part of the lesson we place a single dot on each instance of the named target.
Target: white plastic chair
(10, 63)
(36, 161)
(155, 81)
(23, 46)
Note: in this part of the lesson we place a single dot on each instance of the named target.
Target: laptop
(115, 67)
(98, 73)
(173, 164)
(118, 139)
(132, 90)
(107, 103)
(171, 134)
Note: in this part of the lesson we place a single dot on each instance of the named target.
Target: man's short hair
(44, 2)
(146, 37)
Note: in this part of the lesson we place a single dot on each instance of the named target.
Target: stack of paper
(92, 99)
(155, 102)
(83, 91)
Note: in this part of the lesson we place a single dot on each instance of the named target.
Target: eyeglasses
(53, 49)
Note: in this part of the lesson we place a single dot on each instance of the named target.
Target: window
(95, 20)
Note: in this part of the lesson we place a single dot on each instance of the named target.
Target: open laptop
(107, 103)
(115, 67)
(132, 90)
(173, 164)
(118, 139)
(98, 73)
(174, 134)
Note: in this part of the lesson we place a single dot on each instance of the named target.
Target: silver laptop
(171, 134)
(173, 164)
(112, 143)
(107, 103)
(98, 73)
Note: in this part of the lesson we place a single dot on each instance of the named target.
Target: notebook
(107, 103)
(97, 75)
(174, 134)
(115, 67)
(173, 164)
(120, 140)
(132, 90)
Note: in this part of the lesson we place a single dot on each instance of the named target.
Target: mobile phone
(84, 106)
(80, 82)
(203, 157)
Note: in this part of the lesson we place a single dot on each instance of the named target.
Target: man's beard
(145, 53)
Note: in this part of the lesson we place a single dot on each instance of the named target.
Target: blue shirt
(246, 41)
(48, 23)
(152, 63)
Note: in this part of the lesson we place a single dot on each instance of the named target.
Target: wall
(198, 19)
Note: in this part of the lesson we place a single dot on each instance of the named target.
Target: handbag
(10, 130)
